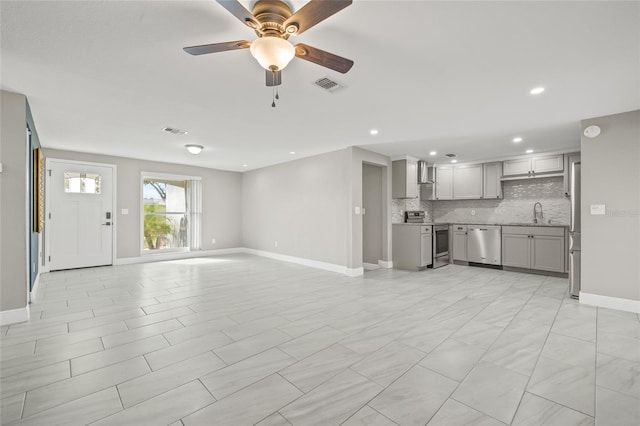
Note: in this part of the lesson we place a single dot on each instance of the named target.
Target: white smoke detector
(592, 131)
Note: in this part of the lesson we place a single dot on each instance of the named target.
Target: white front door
(80, 214)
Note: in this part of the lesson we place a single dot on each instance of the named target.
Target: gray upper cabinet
(467, 182)
(533, 166)
(548, 164)
(491, 174)
(404, 179)
(444, 183)
(517, 167)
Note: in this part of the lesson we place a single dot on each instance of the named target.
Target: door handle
(107, 224)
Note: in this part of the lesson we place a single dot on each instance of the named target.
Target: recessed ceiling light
(194, 149)
(432, 153)
(529, 151)
(292, 152)
(537, 90)
(245, 165)
(373, 132)
(454, 161)
(518, 139)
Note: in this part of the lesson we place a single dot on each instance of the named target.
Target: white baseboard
(14, 316)
(628, 305)
(175, 256)
(351, 272)
(354, 272)
(300, 261)
(370, 266)
(386, 264)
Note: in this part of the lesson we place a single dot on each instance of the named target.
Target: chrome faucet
(535, 212)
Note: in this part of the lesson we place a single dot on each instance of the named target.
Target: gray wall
(611, 176)
(221, 200)
(372, 223)
(13, 193)
(302, 205)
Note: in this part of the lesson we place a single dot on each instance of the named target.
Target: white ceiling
(107, 76)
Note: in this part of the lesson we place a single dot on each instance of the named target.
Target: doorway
(79, 219)
(373, 215)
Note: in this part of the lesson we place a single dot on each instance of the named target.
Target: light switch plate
(124, 211)
(0, 167)
(598, 209)
(356, 210)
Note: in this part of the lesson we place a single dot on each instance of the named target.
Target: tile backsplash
(515, 207)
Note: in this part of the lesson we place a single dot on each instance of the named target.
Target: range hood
(425, 173)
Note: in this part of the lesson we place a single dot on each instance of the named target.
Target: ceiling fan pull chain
(273, 103)
(277, 95)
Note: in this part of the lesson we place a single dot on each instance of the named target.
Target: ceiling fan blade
(274, 78)
(239, 11)
(217, 47)
(326, 59)
(314, 12)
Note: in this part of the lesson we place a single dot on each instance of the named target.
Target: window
(81, 183)
(170, 213)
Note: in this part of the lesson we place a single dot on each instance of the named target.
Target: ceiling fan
(273, 22)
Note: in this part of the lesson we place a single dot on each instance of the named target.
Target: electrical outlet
(275, 244)
(213, 241)
(473, 212)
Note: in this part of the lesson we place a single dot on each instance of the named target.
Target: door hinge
(49, 215)
(49, 172)
(49, 258)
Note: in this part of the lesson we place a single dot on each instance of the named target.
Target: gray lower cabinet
(412, 246)
(532, 247)
(459, 242)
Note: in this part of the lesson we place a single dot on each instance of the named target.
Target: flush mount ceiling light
(517, 139)
(592, 131)
(194, 149)
(373, 132)
(432, 153)
(529, 151)
(292, 152)
(454, 161)
(537, 90)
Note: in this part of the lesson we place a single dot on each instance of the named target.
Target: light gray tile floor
(239, 339)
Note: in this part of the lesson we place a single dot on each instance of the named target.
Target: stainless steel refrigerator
(574, 232)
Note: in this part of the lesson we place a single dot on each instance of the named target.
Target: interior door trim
(47, 203)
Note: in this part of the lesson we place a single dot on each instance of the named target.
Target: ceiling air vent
(174, 131)
(450, 155)
(328, 84)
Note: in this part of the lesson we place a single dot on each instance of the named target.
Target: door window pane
(81, 183)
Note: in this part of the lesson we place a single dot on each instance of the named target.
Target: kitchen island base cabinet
(533, 247)
(412, 246)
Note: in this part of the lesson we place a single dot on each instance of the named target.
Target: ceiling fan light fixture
(194, 149)
(272, 53)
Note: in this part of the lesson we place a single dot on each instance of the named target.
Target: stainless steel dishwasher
(484, 244)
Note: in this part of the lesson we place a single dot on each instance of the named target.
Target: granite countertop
(546, 225)
(414, 224)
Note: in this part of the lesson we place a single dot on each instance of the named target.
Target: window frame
(189, 211)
